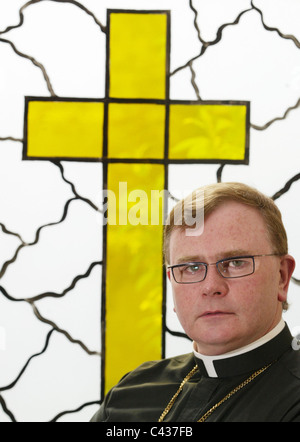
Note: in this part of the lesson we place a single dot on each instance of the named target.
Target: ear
(287, 266)
(169, 277)
(169, 274)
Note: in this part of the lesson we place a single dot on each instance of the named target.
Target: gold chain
(209, 412)
(171, 403)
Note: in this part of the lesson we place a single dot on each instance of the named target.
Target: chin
(216, 342)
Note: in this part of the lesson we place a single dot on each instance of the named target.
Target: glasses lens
(189, 273)
(236, 267)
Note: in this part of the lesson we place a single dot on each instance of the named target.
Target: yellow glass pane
(136, 131)
(137, 59)
(134, 270)
(64, 129)
(207, 132)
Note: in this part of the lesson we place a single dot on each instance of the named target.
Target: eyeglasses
(234, 267)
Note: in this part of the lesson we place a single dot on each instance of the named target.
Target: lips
(215, 314)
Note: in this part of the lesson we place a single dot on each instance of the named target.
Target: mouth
(215, 314)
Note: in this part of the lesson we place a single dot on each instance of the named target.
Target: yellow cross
(136, 131)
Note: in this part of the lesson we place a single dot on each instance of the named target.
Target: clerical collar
(251, 357)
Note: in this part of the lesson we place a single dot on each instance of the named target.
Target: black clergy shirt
(273, 396)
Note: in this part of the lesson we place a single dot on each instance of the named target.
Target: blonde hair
(213, 196)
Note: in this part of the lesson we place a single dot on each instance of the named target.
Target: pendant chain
(212, 409)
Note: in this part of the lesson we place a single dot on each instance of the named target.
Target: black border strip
(136, 161)
(103, 293)
(104, 229)
(166, 182)
(139, 100)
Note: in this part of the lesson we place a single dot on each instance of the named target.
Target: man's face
(220, 314)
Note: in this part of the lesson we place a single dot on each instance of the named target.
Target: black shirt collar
(247, 362)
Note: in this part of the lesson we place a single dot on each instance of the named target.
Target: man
(230, 284)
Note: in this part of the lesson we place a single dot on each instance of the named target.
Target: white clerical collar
(208, 361)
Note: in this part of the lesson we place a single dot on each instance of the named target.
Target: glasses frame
(217, 266)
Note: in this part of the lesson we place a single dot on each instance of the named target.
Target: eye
(191, 269)
(233, 265)
(236, 263)
(236, 267)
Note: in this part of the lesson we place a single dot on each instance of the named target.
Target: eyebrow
(223, 255)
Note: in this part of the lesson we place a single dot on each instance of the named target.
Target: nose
(214, 284)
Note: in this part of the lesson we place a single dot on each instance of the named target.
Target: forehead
(230, 227)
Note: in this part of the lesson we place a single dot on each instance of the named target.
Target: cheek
(246, 293)
(185, 302)
(256, 298)
(177, 297)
